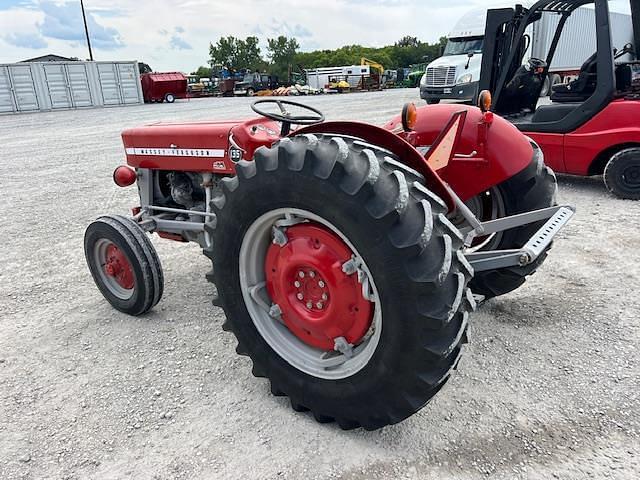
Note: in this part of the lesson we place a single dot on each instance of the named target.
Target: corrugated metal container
(578, 40)
(42, 86)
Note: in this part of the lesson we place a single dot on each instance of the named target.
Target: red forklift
(592, 124)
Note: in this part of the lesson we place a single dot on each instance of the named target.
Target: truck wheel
(531, 189)
(344, 283)
(622, 174)
(250, 92)
(433, 101)
(124, 264)
(169, 98)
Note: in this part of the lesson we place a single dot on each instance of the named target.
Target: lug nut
(312, 274)
(296, 284)
(309, 305)
(325, 296)
(301, 274)
(300, 296)
(321, 284)
(319, 305)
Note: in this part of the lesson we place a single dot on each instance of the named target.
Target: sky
(175, 35)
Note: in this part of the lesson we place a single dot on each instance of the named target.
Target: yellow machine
(372, 64)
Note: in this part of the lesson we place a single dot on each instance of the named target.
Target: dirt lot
(548, 388)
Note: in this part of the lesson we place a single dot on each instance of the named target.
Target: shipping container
(44, 86)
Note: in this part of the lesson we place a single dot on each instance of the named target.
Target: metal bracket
(538, 243)
(341, 345)
(279, 236)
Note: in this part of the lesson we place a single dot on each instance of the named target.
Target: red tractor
(344, 254)
(592, 125)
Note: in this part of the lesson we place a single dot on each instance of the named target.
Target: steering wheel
(285, 117)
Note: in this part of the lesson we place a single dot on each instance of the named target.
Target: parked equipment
(592, 126)
(354, 75)
(253, 83)
(341, 254)
(163, 87)
(455, 75)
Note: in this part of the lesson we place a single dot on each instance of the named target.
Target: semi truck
(455, 75)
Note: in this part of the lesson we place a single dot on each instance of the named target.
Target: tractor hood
(197, 146)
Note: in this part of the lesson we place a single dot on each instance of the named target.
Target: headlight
(423, 80)
(466, 78)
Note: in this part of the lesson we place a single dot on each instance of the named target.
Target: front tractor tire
(124, 264)
(342, 281)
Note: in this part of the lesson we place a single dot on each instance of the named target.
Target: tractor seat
(582, 87)
(553, 113)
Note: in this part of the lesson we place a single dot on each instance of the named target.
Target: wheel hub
(632, 176)
(117, 266)
(320, 302)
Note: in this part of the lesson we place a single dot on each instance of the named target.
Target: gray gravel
(548, 388)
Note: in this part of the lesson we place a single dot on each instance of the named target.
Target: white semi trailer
(455, 75)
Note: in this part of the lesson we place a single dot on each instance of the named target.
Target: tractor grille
(441, 76)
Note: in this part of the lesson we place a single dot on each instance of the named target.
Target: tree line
(283, 54)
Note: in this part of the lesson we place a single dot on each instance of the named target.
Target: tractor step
(543, 237)
(538, 243)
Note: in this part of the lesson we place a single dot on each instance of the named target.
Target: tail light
(124, 176)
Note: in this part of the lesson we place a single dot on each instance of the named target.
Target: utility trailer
(354, 75)
(163, 87)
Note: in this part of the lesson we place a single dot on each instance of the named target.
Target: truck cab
(253, 83)
(456, 73)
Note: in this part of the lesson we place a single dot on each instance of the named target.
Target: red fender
(488, 151)
(389, 141)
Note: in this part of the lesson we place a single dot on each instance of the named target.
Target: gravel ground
(548, 388)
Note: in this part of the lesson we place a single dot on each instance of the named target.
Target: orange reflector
(484, 100)
(409, 116)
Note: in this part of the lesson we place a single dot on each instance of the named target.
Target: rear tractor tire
(124, 264)
(622, 174)
(533, 188)
(342, 281)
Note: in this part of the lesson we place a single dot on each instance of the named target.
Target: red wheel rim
(117, 266)
(319, 301)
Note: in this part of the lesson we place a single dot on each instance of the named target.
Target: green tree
(281, 52)
(408, 41)
(236, 53)
(224, 52)
(202, 72)
(248, 54)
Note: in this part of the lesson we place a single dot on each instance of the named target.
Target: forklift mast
(635, 16)
(501, 28)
